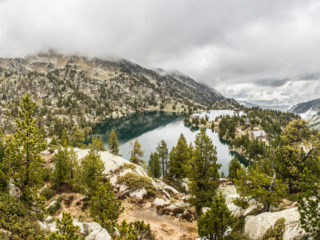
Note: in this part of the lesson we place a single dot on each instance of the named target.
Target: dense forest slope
(86, 91)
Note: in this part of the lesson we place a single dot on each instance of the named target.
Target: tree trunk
(290, 187)
(266, 207)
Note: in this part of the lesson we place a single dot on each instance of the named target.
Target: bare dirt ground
(165, 227)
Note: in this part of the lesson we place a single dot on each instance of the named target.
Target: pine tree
(163, 156)
(77, 138)
(104, 207)
(66, 229)
(267, 190)
(97, 144)
(136, 153)
(309, 202)
(24, 152)
(126, 231)
(62, 166)
(213, 224)
(53, 141)
(290, 156)
(75, 171)
(113, 143)
(179, 156)
(92, 169)
(5, 166)
(135, 230)
(154, 165)
(234, 166)
(203, 172)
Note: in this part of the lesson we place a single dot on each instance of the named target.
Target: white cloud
(232, 45)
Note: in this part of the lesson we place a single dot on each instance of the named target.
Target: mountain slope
(309, 111)
(85, 91)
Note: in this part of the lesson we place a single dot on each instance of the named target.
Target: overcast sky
(247, 49)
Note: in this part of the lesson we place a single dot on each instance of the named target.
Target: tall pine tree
(113, 143)
(62, 166)
(234, 166)
(163, 156)
(154, 165)
(203, 172)
(136, 153)
(213, 224)
(24, 152)
(92, 169)
(104, 207)
(179, 157)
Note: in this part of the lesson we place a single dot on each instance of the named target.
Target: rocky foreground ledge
(166, 209)
(257, 225)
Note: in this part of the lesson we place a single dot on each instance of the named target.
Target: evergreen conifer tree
(213, 224)
(66, 229)
(179, 156)
(290, 156)
(113, 143)
(234, 166)
(24, 152)
(154, 165)
(136, 153)
(104, 207)
(163, 153)
(62, 166)
(309, 202)
(77, 138)
(97, 144)
(203, 172)
(5, 166)
(258, 185)
(92, 169)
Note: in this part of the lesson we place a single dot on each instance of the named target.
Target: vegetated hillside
(309, 111)
(83, 91)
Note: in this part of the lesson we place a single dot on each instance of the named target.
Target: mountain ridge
(88, 90)
(309, 111)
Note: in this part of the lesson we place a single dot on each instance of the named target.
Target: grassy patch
(55, 207)
(132, 180)
(241, 202)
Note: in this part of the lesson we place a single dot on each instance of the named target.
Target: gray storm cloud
(247, 48)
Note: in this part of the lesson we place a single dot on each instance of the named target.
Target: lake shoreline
(151, 127)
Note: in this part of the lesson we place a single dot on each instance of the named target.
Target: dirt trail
(165, 227)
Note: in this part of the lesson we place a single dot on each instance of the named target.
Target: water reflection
(151, 127)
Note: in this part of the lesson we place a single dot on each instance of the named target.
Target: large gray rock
(256, 226)
(13, 190)
(96, 232)
(93, 230)
(230, 194)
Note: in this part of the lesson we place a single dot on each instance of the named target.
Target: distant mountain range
(272, 104)
(309, 111)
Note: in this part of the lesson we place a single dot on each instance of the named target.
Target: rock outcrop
(117, 167)
(230, 194)
(91, 230)
(256, 226)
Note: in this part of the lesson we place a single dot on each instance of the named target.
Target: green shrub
(55, 207)
(129, 166)
(132, 180)
(135, 230)
(16, 218)
(241, 202)
(48, 193)
(276, 232)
